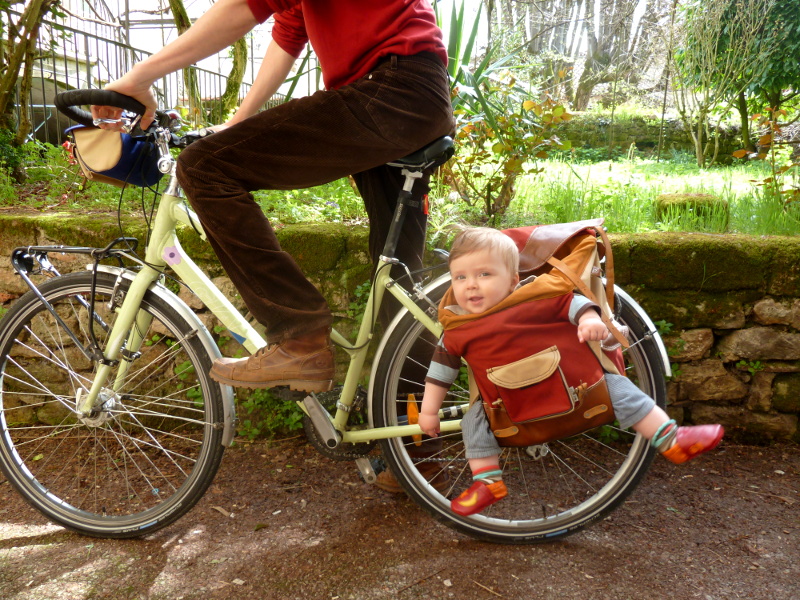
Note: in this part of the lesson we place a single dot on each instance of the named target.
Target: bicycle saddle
(434, 154)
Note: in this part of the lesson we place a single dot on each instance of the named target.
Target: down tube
(215, 301)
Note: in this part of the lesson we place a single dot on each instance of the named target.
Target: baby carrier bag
(536, 380)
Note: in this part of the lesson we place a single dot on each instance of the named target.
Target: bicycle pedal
(321, 421)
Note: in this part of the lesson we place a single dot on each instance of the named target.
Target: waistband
(393, 59)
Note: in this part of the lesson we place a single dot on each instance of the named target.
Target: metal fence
(69, 58)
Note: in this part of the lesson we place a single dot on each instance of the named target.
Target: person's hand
(128, 85)
(429, 424)
(591, 328)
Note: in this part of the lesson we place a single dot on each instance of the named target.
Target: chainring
(344, 451)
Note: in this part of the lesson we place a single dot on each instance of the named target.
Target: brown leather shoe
(305, 364)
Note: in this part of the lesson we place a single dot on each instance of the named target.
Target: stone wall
(728, 306)
(597, 131)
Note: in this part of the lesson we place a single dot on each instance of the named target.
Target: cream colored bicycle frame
(164, 250)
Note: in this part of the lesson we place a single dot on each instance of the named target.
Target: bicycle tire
(555, 489)
(148, 456)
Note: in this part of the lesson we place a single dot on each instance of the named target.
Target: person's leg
(398, 108)
(483, 453)
(635, 409)
(379, 187)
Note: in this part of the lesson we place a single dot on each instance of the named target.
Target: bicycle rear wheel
(146, 457)
(554, 489)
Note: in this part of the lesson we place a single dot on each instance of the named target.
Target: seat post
(404, 198)
(413, 167)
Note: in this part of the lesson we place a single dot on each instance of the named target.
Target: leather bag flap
(99, 149)
(526, 371)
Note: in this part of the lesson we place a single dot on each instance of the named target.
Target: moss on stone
(669, 261)
(621, 251)
(784, 269)
(316, 246)
(692, 310)
(786, 393)
(706, 207)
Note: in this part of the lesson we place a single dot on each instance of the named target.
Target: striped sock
(664, 437)
(488, 475)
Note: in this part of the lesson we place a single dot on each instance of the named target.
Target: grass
(622, 191)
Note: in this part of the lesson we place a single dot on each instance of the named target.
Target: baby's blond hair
(473, 239)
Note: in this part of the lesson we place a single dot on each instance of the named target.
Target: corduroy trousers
(402, 105)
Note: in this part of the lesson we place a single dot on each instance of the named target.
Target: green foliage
(500, 137)
(52, 180)
(608, 433)
(358, 305)
(267, 416)
(500, 129)
(11, 156)
(460, 42)
(780, 77)
(663, 327)
(782, 183)
(751, 367)
(334, 202)
(624, 194)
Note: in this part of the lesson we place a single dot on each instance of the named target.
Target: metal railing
(69, 58)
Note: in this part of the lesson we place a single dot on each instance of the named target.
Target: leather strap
(609, 267)
(576, 281)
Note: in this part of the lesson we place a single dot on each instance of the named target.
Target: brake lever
(128, 124)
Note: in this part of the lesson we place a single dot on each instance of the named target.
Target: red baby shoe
(477, 497)
(693, 440)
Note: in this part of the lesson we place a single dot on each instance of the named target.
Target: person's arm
(273, 71)
(431, 403)
(224, 23)
(442, 372)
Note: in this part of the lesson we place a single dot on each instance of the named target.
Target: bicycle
(111, 426)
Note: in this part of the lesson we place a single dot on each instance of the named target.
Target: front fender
(209, 345)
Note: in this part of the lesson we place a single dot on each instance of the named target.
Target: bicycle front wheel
(144, 457)
(555, 489)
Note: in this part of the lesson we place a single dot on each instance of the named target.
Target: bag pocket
(115, 158)
(533, 388)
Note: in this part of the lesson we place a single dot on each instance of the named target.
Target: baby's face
(481, 280)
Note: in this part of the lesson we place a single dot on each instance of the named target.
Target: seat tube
(403, 200)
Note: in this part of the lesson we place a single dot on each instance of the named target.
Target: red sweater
(349, 37)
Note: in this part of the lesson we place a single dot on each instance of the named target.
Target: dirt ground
(282, 522)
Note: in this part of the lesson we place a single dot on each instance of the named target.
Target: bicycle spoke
(145, 453)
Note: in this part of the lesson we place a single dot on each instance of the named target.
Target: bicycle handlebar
(69, 101)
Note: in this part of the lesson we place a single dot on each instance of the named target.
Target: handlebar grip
(69, 101)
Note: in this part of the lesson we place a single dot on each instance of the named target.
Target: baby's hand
(591, 328)
(429, 424)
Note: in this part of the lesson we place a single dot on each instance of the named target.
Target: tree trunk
(744, 119)
(20, 36)
(230, 97)
(697, 137)
(191, 87)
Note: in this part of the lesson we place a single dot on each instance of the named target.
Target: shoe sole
(297, 385)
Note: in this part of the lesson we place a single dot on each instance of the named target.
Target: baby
(484, 266)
